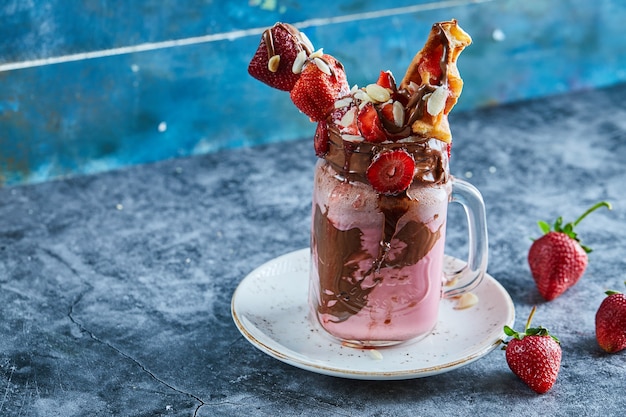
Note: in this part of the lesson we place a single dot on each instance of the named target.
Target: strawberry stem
(530, 318)
(593, 208)
(568, 228)
(528, 331)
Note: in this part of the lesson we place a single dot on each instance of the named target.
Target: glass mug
(377, 261)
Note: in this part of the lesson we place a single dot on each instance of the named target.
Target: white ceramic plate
(270, 308)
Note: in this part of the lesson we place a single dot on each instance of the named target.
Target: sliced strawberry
(430, 67)
(345, 119)
(315, 91)
(386, 79)
(321, 140)
(386, 111)
(369, 124)
(282, 40)
(391, 172)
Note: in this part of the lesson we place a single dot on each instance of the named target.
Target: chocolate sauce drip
(348, 150)
(351, 159)
(412, 252)
(393, 208)
(339, 253)
(417, 237)
(342, 290)
(268, 39)
(445, 56)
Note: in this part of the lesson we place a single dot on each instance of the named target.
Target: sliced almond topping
(317, 54)
(273, 63)
(451, 282)
(375, 354)
(467, 300)
(306, 41)
(362, 96)
(437, 101)
(377, 93)
(344, 102)
(398, 113)
(348, 118)
(323, 66)
(298, 63)
(352, 138)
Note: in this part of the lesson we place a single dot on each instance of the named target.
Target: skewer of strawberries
(380, 112)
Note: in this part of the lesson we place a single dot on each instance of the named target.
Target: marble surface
(115, 288)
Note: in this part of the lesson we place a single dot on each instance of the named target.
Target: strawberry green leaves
(568, 228)
(534, 356)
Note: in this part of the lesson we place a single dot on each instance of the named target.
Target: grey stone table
(115, 288)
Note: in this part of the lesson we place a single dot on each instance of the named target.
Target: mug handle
(469, 276)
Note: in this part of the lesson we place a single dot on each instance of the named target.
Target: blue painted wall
(100, 84)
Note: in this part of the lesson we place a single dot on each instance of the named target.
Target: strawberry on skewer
(321, 83)
(281, 46)
(285, 60)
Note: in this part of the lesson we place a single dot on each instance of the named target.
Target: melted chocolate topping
(351, 159)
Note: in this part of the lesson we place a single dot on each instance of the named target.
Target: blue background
(96, 85)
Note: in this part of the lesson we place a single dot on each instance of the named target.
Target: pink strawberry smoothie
(377, 261)
(381, 185)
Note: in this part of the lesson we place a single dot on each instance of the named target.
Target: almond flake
(377, 93)
(398, 113)
(467, 300)
(348, 118)
(323, 66)
(437, 101)
(273, 63)
(352, 138)
(375, 354)
(362, 96)
(298, 63)
(317, 54)
(344, 102)
(306, 41)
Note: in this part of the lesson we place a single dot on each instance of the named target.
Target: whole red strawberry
(273, 62)
(557, 260)
(611, 322)
(321, 83)
(534, 356)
